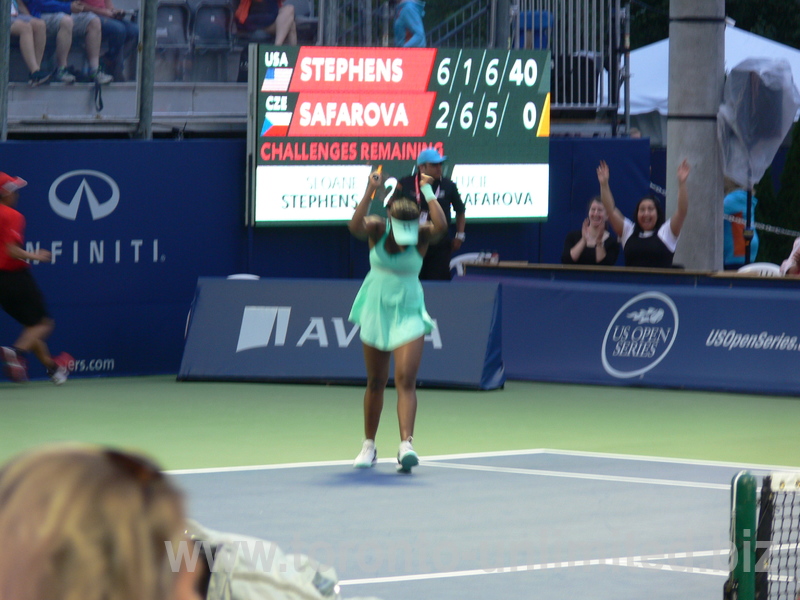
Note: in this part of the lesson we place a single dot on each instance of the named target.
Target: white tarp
(650, 66)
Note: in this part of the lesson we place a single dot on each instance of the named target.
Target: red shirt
(12, 231)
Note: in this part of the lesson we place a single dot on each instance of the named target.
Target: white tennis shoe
(367, 457)
(406, 457)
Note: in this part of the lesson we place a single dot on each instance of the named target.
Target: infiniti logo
(69, 210)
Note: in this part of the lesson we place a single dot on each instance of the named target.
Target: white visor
(406, 233)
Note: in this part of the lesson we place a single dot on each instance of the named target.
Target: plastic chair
(212, 39)
(172, 25)
(173, 42)
(457, 262)
(212, 28)
(761, 268)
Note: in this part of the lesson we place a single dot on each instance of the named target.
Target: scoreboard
(321, 119)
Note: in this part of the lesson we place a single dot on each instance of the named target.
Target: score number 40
(519, 74)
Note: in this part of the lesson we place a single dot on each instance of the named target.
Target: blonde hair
(85, 523)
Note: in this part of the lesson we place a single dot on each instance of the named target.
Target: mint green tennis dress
(390, 306)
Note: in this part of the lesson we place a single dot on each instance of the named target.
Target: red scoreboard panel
(323, 118)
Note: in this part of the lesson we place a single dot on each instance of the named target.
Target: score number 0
(519, 74)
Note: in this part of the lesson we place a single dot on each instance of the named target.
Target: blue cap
(430, 155)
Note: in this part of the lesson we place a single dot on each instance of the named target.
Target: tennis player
(20, 297)
(390, 309)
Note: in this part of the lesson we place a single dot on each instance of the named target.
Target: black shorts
(21, 298)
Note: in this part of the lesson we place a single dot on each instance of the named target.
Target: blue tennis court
(520, 524)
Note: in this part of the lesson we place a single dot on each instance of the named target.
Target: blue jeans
(117, 33)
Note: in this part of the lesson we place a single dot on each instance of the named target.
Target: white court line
(571, 475)
(334, 463)
(679, 461)
(499, 453)
(637, 562)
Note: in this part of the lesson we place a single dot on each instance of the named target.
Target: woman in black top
(593, 244)
(650, 239)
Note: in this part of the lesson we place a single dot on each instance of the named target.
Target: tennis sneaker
(367, 457)
(39, 77)
(406, 457)
(62, 75)
(15, 365)
(64, 365)
(100, 76)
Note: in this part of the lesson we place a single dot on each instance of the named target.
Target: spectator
(390, 310)
(63, 25)
(32, 34)
(735, 205)
(791, 266)
(271, 16)
(20, 297)
(652, 239)
(120, 35)
(437, 260)
(90, 523)
(409, 32)
(593, 244)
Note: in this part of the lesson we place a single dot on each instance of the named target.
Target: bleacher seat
(212, 39)
(173, 18)
(173, 40)
(212, 25)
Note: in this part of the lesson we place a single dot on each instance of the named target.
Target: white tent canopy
(649, 66)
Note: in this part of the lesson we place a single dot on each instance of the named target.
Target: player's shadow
(384, 475)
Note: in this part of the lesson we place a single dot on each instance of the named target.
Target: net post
(741, 582)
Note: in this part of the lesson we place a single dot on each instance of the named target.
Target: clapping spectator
(32, 34)
(65, 20)
(593, 244)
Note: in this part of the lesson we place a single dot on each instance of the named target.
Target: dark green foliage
(778, 20)
(781, 211)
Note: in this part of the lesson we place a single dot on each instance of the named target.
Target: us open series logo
(640, 335)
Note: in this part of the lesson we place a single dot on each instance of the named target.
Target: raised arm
(606, 197)
(676, 221)
(438, 221)
(358, 224)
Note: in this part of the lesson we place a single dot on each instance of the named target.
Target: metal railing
(585, 38)
(586, 41)
(473, 26)
(370, 23)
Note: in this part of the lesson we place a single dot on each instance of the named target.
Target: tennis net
(765, 538)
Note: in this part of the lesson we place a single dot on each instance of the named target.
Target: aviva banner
(297, 330)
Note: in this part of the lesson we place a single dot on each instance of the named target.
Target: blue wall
(121, 287)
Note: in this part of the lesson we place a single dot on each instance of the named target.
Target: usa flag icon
(277, 79)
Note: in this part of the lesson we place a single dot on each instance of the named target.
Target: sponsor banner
(297, 330)
(736, 339)
(130, 226)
